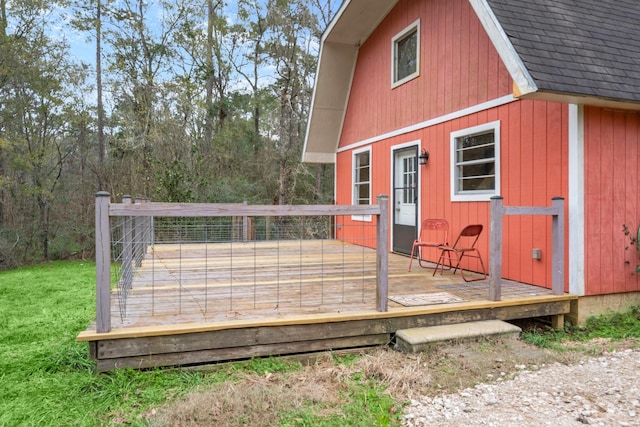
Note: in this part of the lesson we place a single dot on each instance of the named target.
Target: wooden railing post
(557, 232)
(148, 229)
(127, 245)
(139, 234)
(382, 253)
(245, 225)
(332, 224)
(557, 250)
(103, 263)
(495, 249)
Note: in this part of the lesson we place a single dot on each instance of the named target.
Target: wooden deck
(196, 303)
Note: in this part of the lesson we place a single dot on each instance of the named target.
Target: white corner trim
(432, 122)
(507, 52)
(576, 200)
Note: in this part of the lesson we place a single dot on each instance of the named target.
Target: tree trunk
(282, 148)
(208, 118)
(43, 205)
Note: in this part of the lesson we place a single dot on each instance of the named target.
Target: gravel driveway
(602, 391)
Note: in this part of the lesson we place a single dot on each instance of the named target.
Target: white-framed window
(405, 55)
(362, 180)
(475, 163)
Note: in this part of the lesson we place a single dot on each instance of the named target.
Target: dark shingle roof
(582, 47)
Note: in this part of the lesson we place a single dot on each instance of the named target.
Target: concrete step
(419, 339)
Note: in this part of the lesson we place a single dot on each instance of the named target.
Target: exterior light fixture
(423, 157)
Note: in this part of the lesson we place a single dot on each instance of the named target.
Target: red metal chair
(433, 234)
(464, 246)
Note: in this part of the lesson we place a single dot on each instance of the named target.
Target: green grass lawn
(46, 377)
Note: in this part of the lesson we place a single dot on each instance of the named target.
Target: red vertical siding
(632, 204)
(512, 255)
(606, 208)
(533, 151)
(458, 68)
(612, 199)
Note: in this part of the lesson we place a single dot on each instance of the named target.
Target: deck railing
(498, 211)
(125, 232)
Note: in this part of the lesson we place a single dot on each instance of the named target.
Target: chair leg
(424, 263)
(459, 259)
(440, 262)
(435, 270)
(420, 258)
(413, 248)
(450, 266)
(484, 271)
(418, 249)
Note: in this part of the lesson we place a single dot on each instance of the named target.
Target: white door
(405, 183)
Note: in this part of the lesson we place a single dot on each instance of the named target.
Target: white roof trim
(339, 46)
(329, 102)
(519, 73)
(314, 155)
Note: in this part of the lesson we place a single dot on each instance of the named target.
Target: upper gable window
(475, 163)
(405, 48)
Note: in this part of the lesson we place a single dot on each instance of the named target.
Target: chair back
(470, 233)
(436, 230)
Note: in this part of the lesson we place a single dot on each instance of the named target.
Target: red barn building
(526, 100)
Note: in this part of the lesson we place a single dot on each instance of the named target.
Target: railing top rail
(556, 208)
(235, 209)
(531, 210)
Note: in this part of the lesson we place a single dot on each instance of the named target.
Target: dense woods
(181, 101)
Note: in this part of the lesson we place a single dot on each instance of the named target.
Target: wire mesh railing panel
(209, 268)
(130, 240)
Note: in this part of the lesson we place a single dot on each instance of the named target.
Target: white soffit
(356, 20)
(351, 26)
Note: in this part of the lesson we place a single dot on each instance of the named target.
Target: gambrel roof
(577, 51)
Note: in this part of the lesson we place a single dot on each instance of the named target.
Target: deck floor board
(216, 282)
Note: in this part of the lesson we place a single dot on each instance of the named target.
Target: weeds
(611, 327)
(365, 403)
(615, 326)
(634, 240)
(547, 338)
(268, 365)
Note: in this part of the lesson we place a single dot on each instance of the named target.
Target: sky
(82, 44)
